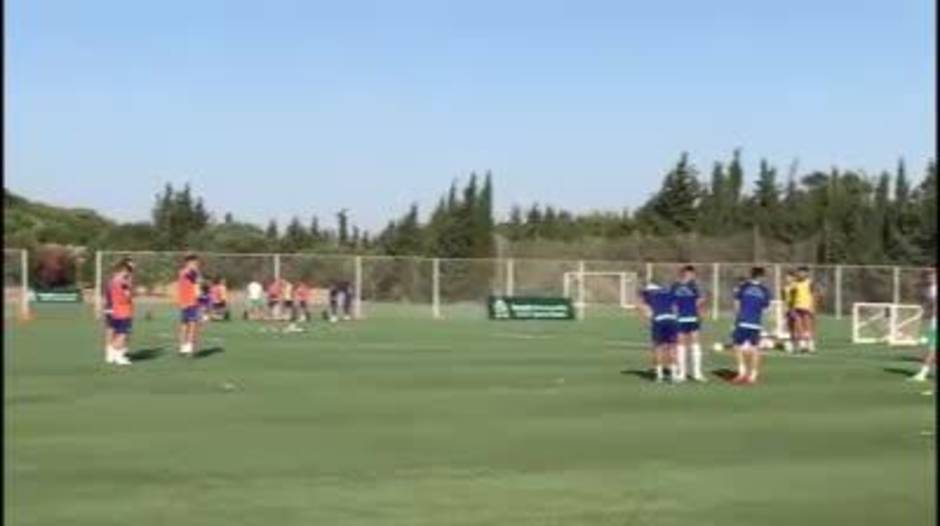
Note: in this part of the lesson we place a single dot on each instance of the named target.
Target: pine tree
(732, 200)
(271, 231)
(676, 204)
(342, 227)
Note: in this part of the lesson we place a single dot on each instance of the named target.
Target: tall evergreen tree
(675, 207)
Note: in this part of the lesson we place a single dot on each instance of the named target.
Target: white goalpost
(598, 288)
(891, 323)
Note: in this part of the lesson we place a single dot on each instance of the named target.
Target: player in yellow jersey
(804, 308)
(788, 294)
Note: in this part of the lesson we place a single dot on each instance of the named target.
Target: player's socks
(681, 352)
(811, 345)
(109, 354)
(752, 378)
(697, 362)
(659, 373)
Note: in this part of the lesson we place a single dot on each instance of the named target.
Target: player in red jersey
(302, 300)
(187, 298)
(274, 299)
(119, 313)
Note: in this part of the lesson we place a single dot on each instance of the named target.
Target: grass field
(469, 422)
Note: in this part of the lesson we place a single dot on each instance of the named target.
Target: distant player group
(675, 314)
(200, 300)
(675, 323)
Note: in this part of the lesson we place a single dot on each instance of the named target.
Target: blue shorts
(190, 314)
(120, 325)
(686, 327)
(664, 332)
(746, 335)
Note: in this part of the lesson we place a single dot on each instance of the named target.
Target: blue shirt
(753, 298)
(687, 297)
(661, 301)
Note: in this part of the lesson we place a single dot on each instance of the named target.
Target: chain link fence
(416, 287)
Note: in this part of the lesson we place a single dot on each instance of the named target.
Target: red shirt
(274, 290)
(302, 292)
(119, 298)
(187, 288)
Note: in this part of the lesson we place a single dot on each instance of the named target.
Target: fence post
(98, 277)
(24, 269)
(436, 288)
(510, 277)
(581, 305)
(357, 288)
(897, 285)
(716, 290)
(838, 292)
(277, 267)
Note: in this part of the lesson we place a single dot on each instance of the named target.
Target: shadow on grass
(912, 358)
(141, 355)
(645, 374)
(898, 370)
(725, 374)
(207, 352)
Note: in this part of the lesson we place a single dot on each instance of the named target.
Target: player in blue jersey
(689, 302)
(751, 299)
(659, 306)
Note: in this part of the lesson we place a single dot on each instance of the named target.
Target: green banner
(530, 308)
(57, 296)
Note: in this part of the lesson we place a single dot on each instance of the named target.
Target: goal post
(600, 288)
(891, 323)
(16, 282)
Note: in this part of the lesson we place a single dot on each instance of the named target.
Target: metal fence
(386, 286)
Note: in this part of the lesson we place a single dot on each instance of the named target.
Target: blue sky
(276, 108)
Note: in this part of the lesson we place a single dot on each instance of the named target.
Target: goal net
(593, 289)
(15, 286)
(891, 323)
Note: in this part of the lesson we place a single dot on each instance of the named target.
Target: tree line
(843, 216)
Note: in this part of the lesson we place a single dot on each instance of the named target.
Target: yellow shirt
(802, 295)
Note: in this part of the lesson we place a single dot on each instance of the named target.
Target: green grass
(468, 422)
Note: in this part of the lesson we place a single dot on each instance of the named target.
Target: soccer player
(930, 359)
(804, 305)
(789, 295)
(205, 301)
(274, 299)
(659, 305)
(255, 300)
(187, 298)
(341, 290)
(302, 300)
(219, 296)
(689, 301)
(751, 300)
(119, 313)
(287, 299)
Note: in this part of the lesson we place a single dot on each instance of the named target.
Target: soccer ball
(718, 347)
